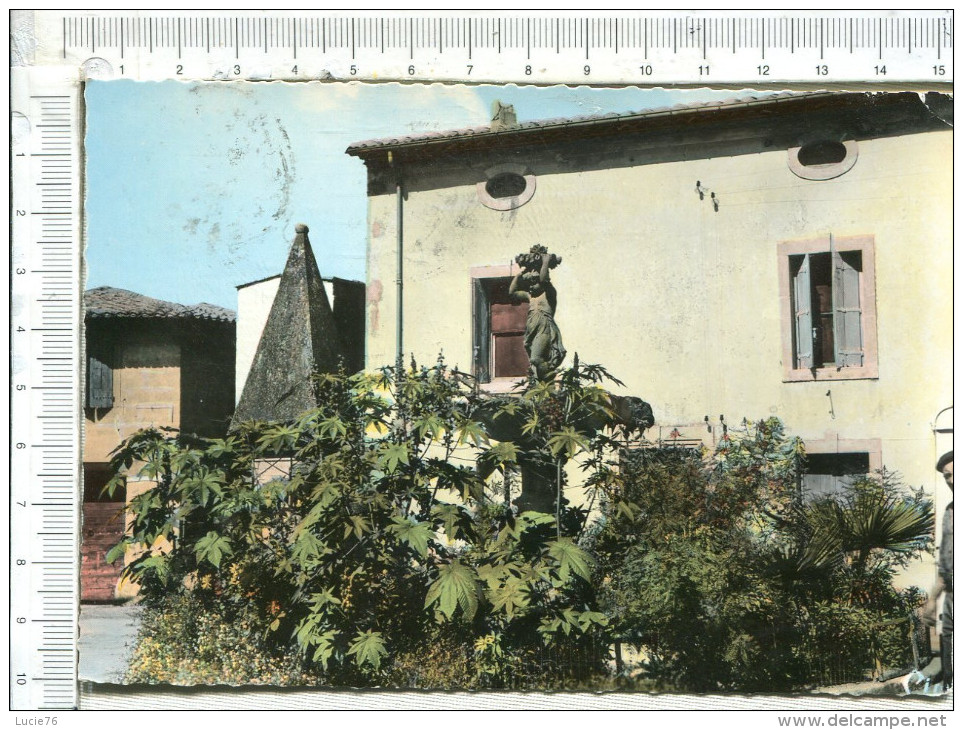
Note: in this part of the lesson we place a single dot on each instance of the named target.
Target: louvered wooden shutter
(802, 310)
(481, 331)
(847, 313)
(100, 384)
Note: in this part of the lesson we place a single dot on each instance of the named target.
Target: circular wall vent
(506, 187)
(823, 159)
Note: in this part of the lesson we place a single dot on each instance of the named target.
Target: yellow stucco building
(786, 255)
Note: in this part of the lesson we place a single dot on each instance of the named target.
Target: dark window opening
(822, 153)
(506, 185)
(96, 476)
(499, 331)
(828, 474)
(824, 353)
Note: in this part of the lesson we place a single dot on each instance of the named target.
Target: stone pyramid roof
(299, 339)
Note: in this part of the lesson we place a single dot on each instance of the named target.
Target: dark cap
(947, 458)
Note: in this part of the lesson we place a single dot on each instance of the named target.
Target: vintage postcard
(505, 389)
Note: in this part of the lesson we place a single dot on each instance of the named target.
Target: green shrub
(377, 560)
(185, 640)
(376, 536)
(714, 565)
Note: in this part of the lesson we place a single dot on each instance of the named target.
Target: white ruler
(57, 50)
(641, 48)
(45, 387)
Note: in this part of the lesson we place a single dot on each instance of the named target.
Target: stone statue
(543, 341)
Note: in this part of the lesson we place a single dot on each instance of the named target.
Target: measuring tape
(59, 49)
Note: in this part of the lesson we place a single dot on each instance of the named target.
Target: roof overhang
(868, 106)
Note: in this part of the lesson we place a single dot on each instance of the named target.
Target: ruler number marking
(352, 35)
(51, 169)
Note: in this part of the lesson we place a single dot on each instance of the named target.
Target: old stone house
(149, 363)
(786, 255)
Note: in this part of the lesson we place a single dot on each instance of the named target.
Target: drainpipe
(399, 282)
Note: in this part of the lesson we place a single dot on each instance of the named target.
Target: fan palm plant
(859, 538)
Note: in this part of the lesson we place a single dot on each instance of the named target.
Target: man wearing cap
(944, 578)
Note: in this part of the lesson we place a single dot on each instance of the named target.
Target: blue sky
(194, 188)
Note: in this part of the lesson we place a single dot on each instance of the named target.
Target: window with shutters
(829, 474)
(833, 462)
(498, 331)
(100, 382)
(828, 293)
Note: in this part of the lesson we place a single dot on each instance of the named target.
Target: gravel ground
(107, 635)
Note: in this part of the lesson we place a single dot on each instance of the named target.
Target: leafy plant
(361, 546)
(187, 639)
(363, 524)
(726, 578)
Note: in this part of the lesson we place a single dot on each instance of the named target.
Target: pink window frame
(832, 444)
(866, 245)
(505, 384)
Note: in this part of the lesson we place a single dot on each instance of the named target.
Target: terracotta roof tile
(358, 148)
(108, 301)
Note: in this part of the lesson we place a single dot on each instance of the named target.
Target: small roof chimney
(503, 116)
